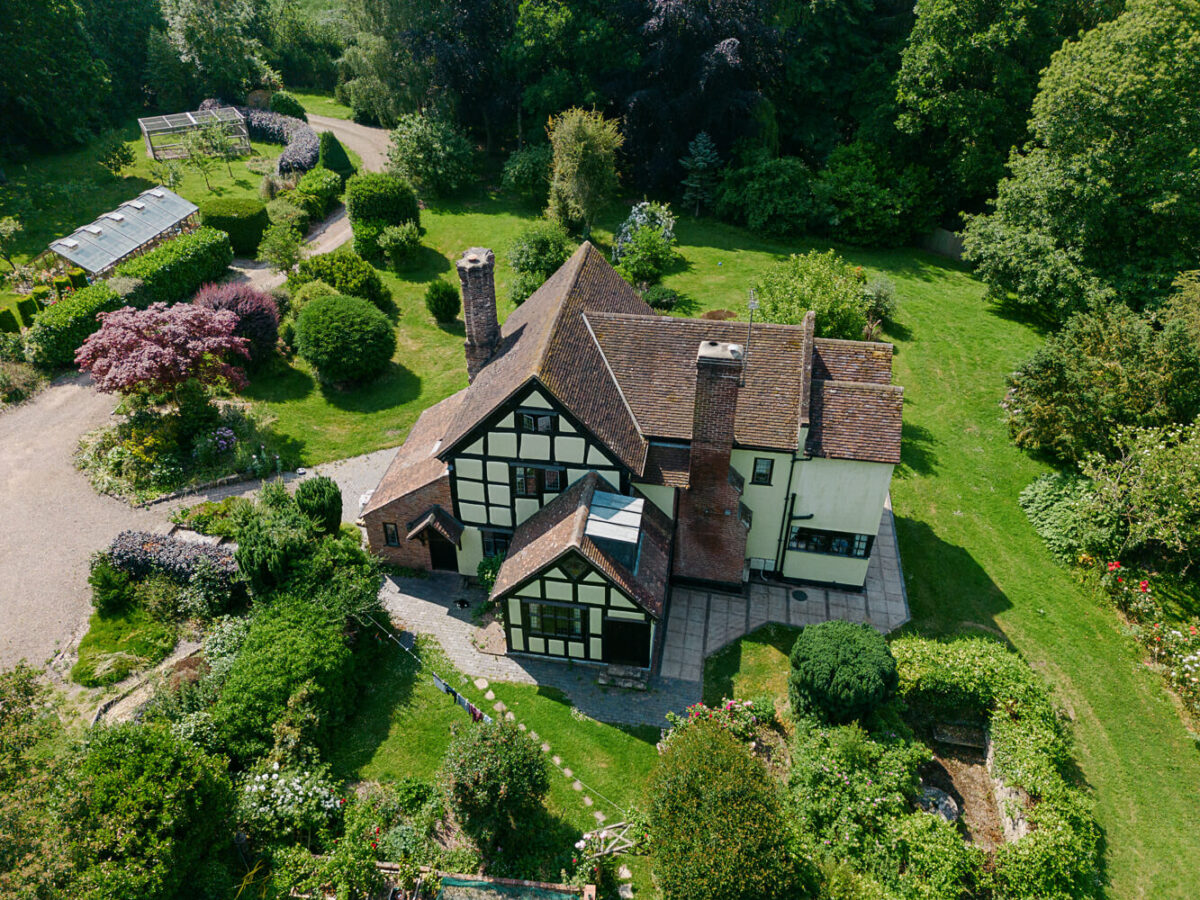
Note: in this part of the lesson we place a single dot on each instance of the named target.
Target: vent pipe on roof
(476, 272)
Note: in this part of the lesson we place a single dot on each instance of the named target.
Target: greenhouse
(131, 229)
(164, 135)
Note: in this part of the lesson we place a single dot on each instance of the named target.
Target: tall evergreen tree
(703, 165)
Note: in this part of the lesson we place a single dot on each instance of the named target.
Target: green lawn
(116, 646)
(756, 665)
(404, 724)
(321, 103)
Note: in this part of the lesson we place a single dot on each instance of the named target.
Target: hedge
(322, 184)
(286, 105)
(29, 309)
(172, 272)
(243, 219)
(8, 321)
(333, 156)
(63, 327)
(383, 197)
(840, 671)
(142, 553)
(716, 822)
(344, 338)
(301, 150)
(981, 680)
(346, 272)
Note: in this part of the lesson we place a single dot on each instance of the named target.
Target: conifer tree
(702, 164)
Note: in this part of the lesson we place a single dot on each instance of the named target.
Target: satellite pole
(749, 326)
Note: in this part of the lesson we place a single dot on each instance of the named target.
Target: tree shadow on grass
(389, 687)
(540, 849)
(456, 328)
(396, 386)
(916, 450)
(949, 592)
(279, 383)
(425, 265)
(720, 668)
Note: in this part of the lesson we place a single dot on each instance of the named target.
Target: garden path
(371, 145)
(51, 520)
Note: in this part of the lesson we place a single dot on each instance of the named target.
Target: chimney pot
(476, 273)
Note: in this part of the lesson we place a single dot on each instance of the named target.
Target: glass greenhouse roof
(115, 235)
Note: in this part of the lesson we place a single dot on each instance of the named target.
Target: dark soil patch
(962, 773)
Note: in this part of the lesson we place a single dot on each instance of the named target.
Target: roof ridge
(583, 510)
(867, 385)
(844, 341)
(584, 251)
(616, 381)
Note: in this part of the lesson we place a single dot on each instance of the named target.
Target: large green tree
(120, 33)
(584, 175)
(146, 814)
(968, 76)
(53, 87)
(219, 39)
(1104, 201)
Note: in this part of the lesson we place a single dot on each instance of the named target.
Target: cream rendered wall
(821, 567)
(470, 554)
(661, 496)
(767, 502)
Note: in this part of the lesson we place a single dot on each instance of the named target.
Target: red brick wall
(710, 540)
(412, 554)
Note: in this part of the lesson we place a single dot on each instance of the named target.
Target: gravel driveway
(51, 519)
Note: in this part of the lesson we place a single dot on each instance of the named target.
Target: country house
(606, 452)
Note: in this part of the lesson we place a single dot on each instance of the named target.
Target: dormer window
(536, 423)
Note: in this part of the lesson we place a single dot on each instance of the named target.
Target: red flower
(373, 845)
(377, 829)
(1113, 566)
(1144, 586)
(1119, 579)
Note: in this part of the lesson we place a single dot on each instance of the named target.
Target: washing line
(488, 718)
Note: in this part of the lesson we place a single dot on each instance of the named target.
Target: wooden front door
(442, 555)
(627, 643)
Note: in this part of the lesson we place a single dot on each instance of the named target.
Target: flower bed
(142, 553)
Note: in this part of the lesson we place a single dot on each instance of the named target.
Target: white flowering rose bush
(285, 804)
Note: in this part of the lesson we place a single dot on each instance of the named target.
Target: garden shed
(131, 229)
(164, 134)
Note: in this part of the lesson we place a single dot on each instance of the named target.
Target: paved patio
(701, 622)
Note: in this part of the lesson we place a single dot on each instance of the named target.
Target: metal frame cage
(164, 134)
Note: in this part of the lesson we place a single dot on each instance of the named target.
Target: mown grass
(755, 666)
(116, 646)
(322, 103)
(404, 724)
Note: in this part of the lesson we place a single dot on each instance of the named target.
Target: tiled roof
(546, 338)
(852, 420)
(416, 464)
(654, 360)
(669, 466)
(437, 519)
(558, 527)
(863, 361)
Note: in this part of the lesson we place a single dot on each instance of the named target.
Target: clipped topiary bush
(320, 499)
(62, 328)
(286, 105)
(333, 156)
(661, 297)
(172, 272)
(258, 316)
(322, 184)
(841, 671)
(346, 272)
(442, 301)
(8, 321)
(112, 588)
(344, 338)
(243, 219)
(716, 824)
(383, 197)
(399, 242)
(308, 292)
(366, 237)
(496, 778)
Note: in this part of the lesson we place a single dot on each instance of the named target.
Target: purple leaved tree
(162, 347)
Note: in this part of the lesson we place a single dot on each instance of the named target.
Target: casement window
(532, 481)
(495, 543)
(391, 534)
(831, 543)
(554, 621)
(534, 423)
(764, 468)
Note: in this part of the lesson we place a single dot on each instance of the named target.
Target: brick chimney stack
(476, 271)
(711, 538)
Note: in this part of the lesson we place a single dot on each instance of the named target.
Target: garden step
(624, 677)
